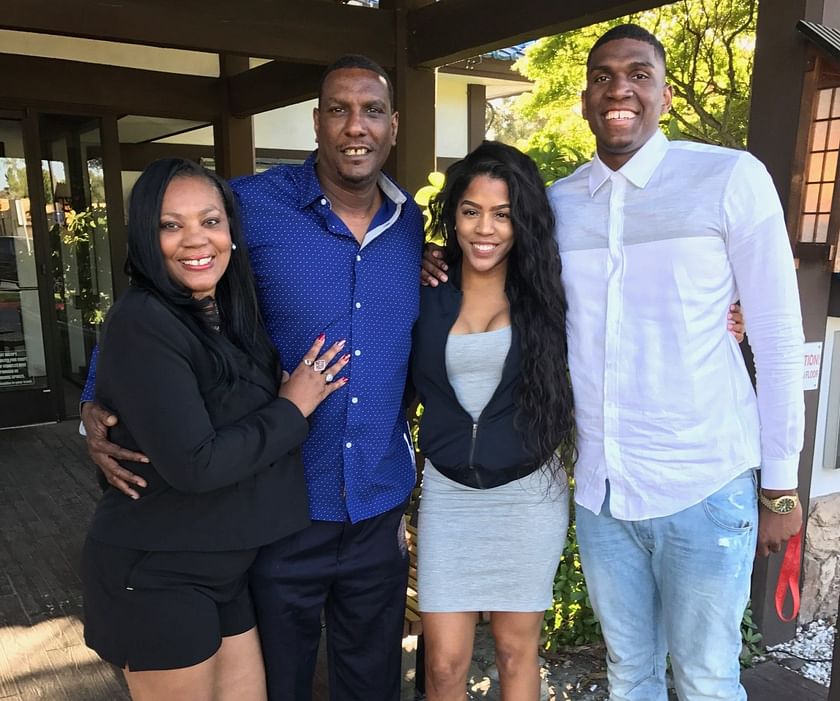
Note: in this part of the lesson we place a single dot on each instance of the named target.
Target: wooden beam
(295, 30)
(48, 82)
(450, 30)
(272, 85)
(137, 156)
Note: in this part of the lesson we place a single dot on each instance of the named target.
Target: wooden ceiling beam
(44, 82)
(451, 30)
(272, 85)
(291, 30)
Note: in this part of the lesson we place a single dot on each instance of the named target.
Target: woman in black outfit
(186, 365)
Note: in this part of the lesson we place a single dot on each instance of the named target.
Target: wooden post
(781, 62)
(476, 107)
(414, 156)
(117, 230)
(233, 136)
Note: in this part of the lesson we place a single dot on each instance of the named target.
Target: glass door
(55, 261)
(25, 395)
(80, 257)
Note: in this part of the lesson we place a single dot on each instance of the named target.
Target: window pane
(835, 108)
(834, 135)
(824, 103)
(80, 256)
(820, 128)
(825, 197)
(812, 194)
(806, 232)
(830, 170)
(821, 233)
(22, 360)
(815, 167)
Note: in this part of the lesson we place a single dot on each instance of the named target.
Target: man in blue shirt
(335, 246)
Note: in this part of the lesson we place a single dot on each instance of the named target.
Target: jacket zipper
(472, 445)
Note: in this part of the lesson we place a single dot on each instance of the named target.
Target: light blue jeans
(676, 584)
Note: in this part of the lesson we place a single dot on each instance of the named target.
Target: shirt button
(357, 352)
(355, 400)
(358, 305)
(358, 258)
(348, 444)
(323, 200)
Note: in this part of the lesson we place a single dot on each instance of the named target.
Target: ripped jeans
(676, 584)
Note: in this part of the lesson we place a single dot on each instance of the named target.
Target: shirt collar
(638, 170)
(310, 187)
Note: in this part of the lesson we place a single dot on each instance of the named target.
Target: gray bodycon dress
(487, 549)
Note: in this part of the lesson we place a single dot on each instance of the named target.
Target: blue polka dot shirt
(313, 276)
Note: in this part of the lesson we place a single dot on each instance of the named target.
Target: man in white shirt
(658, 238)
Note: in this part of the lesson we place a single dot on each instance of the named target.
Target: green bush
(751, 647)
(570, 621)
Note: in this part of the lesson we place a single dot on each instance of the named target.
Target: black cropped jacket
(485, 454)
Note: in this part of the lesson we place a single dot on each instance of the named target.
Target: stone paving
(47, 493)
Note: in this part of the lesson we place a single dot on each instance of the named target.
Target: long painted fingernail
(345, 357)
(321, 337)
(345, 380)
(340, 344)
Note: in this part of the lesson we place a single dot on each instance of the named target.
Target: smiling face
(194, 234)
(483, 225)
(355, 127)
(624, 98)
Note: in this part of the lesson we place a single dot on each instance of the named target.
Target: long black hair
(534, 290)
(236, 299)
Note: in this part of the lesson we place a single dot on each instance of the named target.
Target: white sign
(813, 354)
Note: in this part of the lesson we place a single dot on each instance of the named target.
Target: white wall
(451, 125)
(287, 127)
(825, 480)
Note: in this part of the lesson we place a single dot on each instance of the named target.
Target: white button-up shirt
(653, 255)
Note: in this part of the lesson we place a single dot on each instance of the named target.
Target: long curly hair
(236, 297)
(534, 289)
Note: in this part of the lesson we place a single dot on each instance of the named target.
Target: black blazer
(225, 470)
(486, 454)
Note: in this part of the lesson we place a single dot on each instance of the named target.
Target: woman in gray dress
(489, 366)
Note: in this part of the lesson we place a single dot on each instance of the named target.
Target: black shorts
(152, 610)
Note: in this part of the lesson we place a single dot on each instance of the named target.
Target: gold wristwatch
(780, 505)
